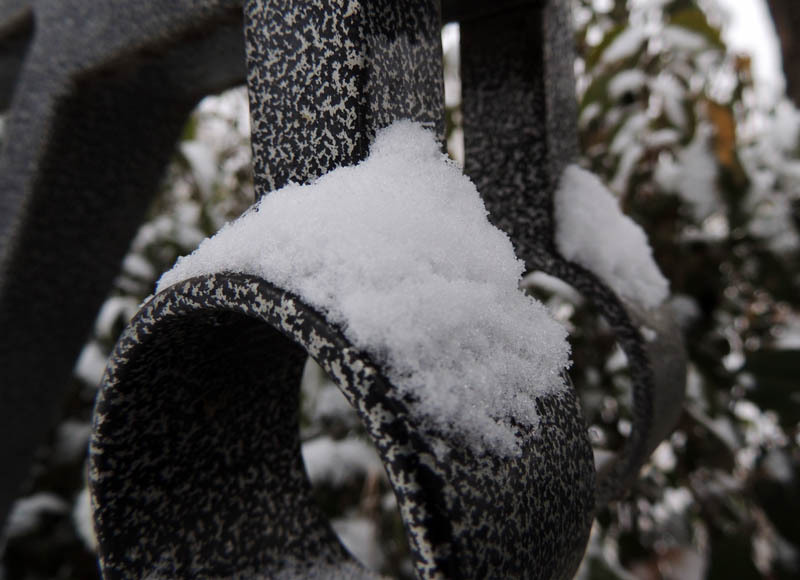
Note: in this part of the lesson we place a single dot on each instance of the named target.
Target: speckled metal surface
(196, 470)
(329, 74)
(16, 29)
(98, 103)
(657, 370)
(195, 467)
(507, 149)
(521, 60)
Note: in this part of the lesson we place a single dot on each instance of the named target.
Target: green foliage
(692, 18)
(711, 177)
(671, 125)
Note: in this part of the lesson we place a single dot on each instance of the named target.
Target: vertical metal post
(519, 115)
(520, 132)
(323, 76)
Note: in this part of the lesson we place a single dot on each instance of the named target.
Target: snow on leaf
(626, 81)
(693, 175)
(624, 45)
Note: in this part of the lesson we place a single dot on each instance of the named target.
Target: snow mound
(592, 231)
(399, 253)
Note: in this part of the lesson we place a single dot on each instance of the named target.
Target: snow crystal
(399, 253)
(592, 231)
(335, 462)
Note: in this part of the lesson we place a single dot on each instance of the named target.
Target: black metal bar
(101, 98)
(520, 132)
(519, 118)
(209, 367)
(323, 77)
(16, 30)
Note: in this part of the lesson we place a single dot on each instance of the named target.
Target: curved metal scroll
(195, 455)
(516, 161)
(196, 465)
(102, 90)
(196, 470)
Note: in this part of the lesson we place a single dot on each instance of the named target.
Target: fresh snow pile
(592, 231)
(398, 251)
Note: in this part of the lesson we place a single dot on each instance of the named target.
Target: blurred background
(684, 115)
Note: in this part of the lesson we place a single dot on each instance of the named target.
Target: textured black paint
(196, 465)
(196, 469)
(519, 134)
(99, 101)
(323, 77)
